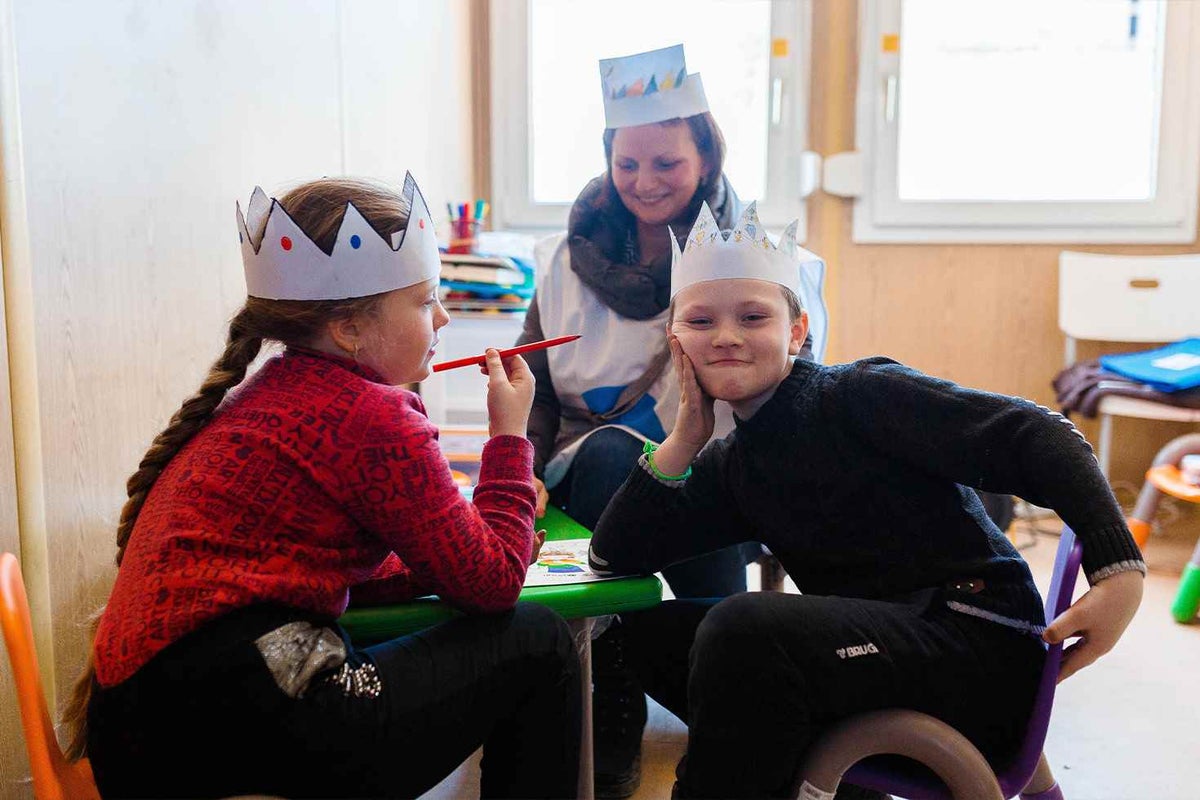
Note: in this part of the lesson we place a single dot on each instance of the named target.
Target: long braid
(74, 715)
(226, 373)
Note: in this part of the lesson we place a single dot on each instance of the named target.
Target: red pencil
(512, 351)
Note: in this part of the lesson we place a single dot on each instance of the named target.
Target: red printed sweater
(311, 479)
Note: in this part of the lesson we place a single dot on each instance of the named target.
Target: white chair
(1112, 298)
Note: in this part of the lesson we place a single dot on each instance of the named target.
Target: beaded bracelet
(649, 449)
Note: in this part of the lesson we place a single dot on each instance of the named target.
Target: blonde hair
(317, 207)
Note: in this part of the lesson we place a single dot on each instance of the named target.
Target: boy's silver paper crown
(650, 87)
(282, 263)
(711, 254)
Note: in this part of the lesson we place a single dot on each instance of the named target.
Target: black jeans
(602, 464)
(758, 676)
(205, 718)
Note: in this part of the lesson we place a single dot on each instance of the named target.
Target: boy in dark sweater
(854, 476)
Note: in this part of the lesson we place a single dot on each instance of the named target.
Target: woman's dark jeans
(602, 464)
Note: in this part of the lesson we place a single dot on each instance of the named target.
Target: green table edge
(571, 601)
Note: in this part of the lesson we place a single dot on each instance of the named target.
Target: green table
(572, 601)
(578, 603)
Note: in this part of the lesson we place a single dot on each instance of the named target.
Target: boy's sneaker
(618, 718)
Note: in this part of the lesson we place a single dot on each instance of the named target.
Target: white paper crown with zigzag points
(282, 263)
(650, 87)
(711, 254)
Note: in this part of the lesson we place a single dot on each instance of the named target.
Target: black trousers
(205, 718)
(757, 677)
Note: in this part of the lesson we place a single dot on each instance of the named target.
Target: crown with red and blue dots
(282, 263)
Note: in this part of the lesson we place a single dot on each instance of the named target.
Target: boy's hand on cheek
(694, 421)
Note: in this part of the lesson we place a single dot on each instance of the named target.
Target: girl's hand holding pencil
(509, 394)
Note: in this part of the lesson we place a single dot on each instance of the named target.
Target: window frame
(788, 162)
(1170, 218)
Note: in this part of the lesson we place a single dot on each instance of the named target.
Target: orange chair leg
(1140, 531)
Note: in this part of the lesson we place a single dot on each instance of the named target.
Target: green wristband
(649, 449)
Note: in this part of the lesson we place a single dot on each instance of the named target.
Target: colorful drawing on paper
(563, 561)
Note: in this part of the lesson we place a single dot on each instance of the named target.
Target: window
(985, 121)
(548, 114)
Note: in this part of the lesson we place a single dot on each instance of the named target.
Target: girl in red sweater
(218, 667)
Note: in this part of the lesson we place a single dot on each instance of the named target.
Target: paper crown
(282, 263)
(650, 87)
(711, 254)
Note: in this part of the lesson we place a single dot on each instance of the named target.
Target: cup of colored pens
(465, 219)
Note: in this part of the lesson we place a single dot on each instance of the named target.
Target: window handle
(776, 100)
(889, 95)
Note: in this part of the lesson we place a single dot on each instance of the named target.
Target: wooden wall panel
(142, 123)
(981, 315)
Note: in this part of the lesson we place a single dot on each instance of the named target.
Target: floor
(1122, 729)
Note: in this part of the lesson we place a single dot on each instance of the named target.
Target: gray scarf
(602, 237)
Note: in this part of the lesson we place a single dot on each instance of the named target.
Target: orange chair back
(54, 778)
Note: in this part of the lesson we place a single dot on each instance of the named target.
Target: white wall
(142, 123)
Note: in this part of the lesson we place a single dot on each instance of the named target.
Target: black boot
(618, 717)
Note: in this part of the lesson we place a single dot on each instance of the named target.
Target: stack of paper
(490, 284)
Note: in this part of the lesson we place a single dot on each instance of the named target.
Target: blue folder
(1172, 368)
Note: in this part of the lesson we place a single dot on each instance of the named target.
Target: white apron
(614, 352)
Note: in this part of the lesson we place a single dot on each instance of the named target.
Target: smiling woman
(657, 168)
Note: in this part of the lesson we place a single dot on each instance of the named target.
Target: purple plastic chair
(961, 771)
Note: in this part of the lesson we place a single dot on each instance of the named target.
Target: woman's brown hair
(317, 207)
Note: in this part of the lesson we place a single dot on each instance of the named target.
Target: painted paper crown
(282, 263)
(650, 87)
(711, 254)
